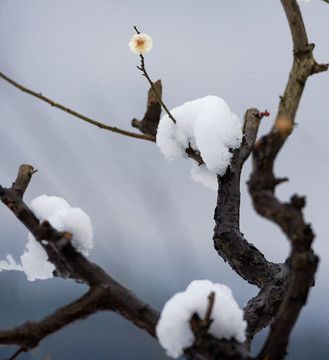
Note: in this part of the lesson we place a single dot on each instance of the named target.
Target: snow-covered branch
(104, 294)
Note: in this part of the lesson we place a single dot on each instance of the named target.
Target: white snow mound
(173, 329)
(63, 217)
(208, 126)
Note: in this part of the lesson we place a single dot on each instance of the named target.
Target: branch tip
(74, 113)
(211, 300)
(17, 353)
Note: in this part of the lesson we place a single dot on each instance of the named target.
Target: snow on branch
(58, 212)
(210, 128)
(174, 329)
(104, 293)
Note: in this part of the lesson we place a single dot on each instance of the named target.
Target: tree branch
(243, 257)
(263, 308)
(302, 262)
(304, 64)
(104, 294)
(30, 333)
(246, 260)
(17, 353)
(98, 298)
(76, 114)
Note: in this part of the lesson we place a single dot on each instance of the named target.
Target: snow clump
(63, 217)
(209, 127)
(174, 330)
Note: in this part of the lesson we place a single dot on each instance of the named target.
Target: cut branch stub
(24, 175)
(150, 122)
(201, 326)
(206, 346)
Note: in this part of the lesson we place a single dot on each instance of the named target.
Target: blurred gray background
(153, 225)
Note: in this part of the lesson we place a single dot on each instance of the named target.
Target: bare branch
(304, 64)
(98, 298)
(17, 353)
(211, 300)
(263, 308)
(76, 114)
(30, 333)
(302, 262)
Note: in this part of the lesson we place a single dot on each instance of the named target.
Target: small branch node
(281, 180)
(298, 201)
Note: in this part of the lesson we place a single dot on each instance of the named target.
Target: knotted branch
(302, 262)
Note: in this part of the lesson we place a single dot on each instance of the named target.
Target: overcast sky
(153, 225)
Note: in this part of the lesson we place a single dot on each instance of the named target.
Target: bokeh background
(153, 225)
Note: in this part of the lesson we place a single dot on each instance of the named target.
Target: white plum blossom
(63, 217)
(141, 44)
(208, 126)
(174, 330)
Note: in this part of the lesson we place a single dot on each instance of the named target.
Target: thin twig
(18, 352)
(143, 70)
(76, 114)
(211, 300)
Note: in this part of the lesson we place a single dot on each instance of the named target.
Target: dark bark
(302, 262)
